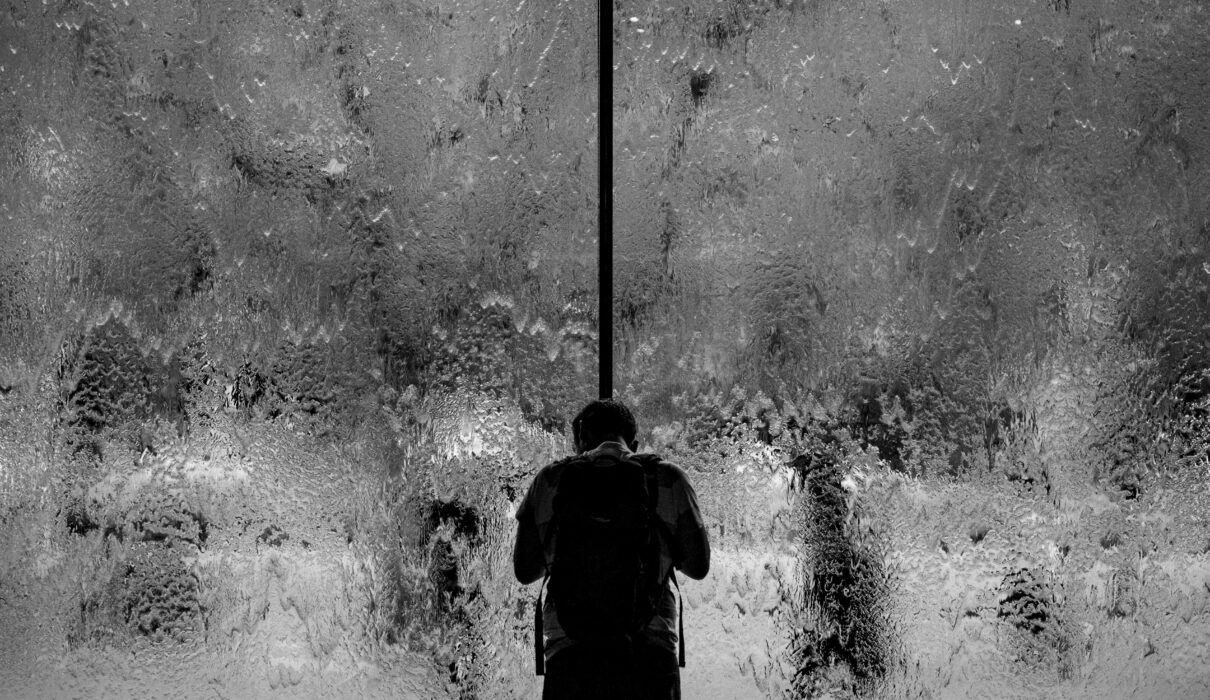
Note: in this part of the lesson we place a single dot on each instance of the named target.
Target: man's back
(586, 665)
(606, 567)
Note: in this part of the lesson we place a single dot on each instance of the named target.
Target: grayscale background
(296, 296)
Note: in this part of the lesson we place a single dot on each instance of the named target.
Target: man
(642, 664)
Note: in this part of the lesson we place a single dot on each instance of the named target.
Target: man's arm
(529, 563)
(691, 533)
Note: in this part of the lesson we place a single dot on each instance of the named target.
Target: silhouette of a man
(646, 666)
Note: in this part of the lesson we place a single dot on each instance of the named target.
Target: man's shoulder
(542, 489)
(669, 472)
(551, 471)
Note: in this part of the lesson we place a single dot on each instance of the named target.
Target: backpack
(604, 576)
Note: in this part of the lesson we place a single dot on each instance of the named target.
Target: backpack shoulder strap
(539, 652)
(650, 466)
(650, 463)
(557, 470)
(645, 458)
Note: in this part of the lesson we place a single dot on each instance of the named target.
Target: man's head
(604, 421)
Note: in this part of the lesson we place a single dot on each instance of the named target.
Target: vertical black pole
(605, 179)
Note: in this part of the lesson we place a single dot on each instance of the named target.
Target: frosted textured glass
(295, 298)
(919, 291)
(280, 283)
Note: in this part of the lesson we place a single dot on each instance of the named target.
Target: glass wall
(296, 297)
(294, 294)
(918, 291)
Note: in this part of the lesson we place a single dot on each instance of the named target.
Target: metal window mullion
(605, 198)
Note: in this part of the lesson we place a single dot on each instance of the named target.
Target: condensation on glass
(295, 297)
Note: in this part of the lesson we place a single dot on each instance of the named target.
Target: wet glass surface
(295, 297)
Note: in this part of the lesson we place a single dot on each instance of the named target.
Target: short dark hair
(604, 418)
